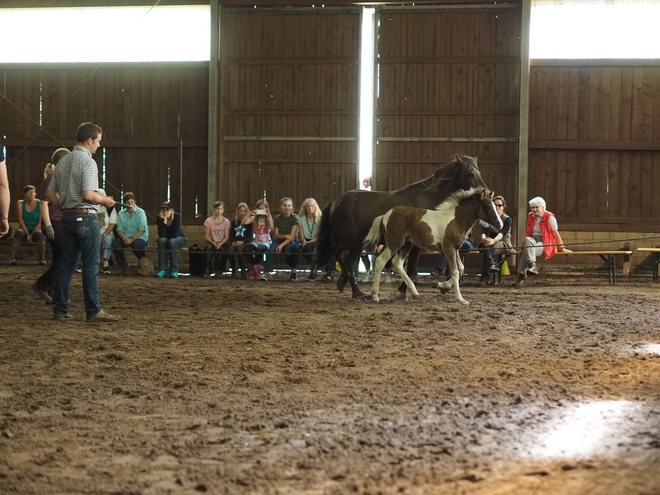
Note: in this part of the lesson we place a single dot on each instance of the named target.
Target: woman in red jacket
(541, 237)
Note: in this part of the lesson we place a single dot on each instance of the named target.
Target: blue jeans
(290, 251)
(118, 246)
(106, 246)
(81, 237)
(169, 248)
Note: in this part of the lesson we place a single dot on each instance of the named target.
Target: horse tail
(326, 243)
(375, 234)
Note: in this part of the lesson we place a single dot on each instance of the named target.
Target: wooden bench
(608, 257)
(656, 259)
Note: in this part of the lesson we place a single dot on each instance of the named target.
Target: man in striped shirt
(74, 190)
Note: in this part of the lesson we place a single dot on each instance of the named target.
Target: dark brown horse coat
(347, 220)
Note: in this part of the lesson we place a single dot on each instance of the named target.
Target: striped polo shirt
(75, 173)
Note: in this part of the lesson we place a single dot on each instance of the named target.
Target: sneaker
(79, 269)
(106, 269)
(293, 277)
(312, 277)
(327, 277)
(42, 294)
(262, 276)
(103, 317)
(520, 282)
(161, 273)
(436, 272)
(12, 261)
(493, 268)
(174, 274)
(531, 269)
(42, 261)
(62, 317)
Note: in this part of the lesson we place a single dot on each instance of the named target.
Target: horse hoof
(361, 295)
(443, 290)
(341, 284)
(464, 302)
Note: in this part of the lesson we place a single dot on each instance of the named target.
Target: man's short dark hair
(128, 196)
(87, 130)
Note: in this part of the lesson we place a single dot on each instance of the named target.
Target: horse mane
(455, 198)
(459, 164)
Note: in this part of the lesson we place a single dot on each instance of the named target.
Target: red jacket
(549, 241)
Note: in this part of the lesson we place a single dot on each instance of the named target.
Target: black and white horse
(443, 229)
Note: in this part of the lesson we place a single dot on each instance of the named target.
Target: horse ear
(491, 195)
(484, 193)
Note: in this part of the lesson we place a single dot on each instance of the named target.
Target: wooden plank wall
(595, 143)
(448, 83)
(289, 104)
(154, 118)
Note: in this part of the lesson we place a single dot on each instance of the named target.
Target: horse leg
(413, 258)
(379, 264)
(456, 267)
(343, 278)
(397, 264)
(351, 261)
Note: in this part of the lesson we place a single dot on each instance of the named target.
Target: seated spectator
(132, 231)
(309, 220)
(240, 234)
(107, 224)
(495, 243)
(541, 237)
(285, 239)
(217, 238)
(170, 240)
(29, 220)
(262, 227)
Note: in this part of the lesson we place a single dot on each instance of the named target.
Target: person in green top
(285, 239)
(29, 219)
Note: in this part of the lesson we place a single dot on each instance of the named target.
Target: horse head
(462, 172)
(487, 211)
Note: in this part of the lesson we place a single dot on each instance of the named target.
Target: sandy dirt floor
(242, 387)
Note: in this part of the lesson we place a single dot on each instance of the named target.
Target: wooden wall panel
(448, 83)
(289, 104)
(594, 145)
(151, 115)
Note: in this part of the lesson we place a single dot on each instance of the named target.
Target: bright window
(106, 34)
(571, 29)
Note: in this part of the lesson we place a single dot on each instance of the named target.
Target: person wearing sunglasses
(541, 238)
(494, 242)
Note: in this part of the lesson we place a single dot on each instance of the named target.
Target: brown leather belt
(81, 211)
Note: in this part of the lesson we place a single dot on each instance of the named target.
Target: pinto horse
(347, 220)
(444, 229)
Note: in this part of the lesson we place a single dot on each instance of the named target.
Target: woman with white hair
(541, 237)
(107, 224)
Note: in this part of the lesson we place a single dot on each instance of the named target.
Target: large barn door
(288, 104)
(449, 79)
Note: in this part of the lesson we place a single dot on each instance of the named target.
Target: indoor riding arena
(221, 384)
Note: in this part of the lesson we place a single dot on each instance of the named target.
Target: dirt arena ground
(242, 387)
